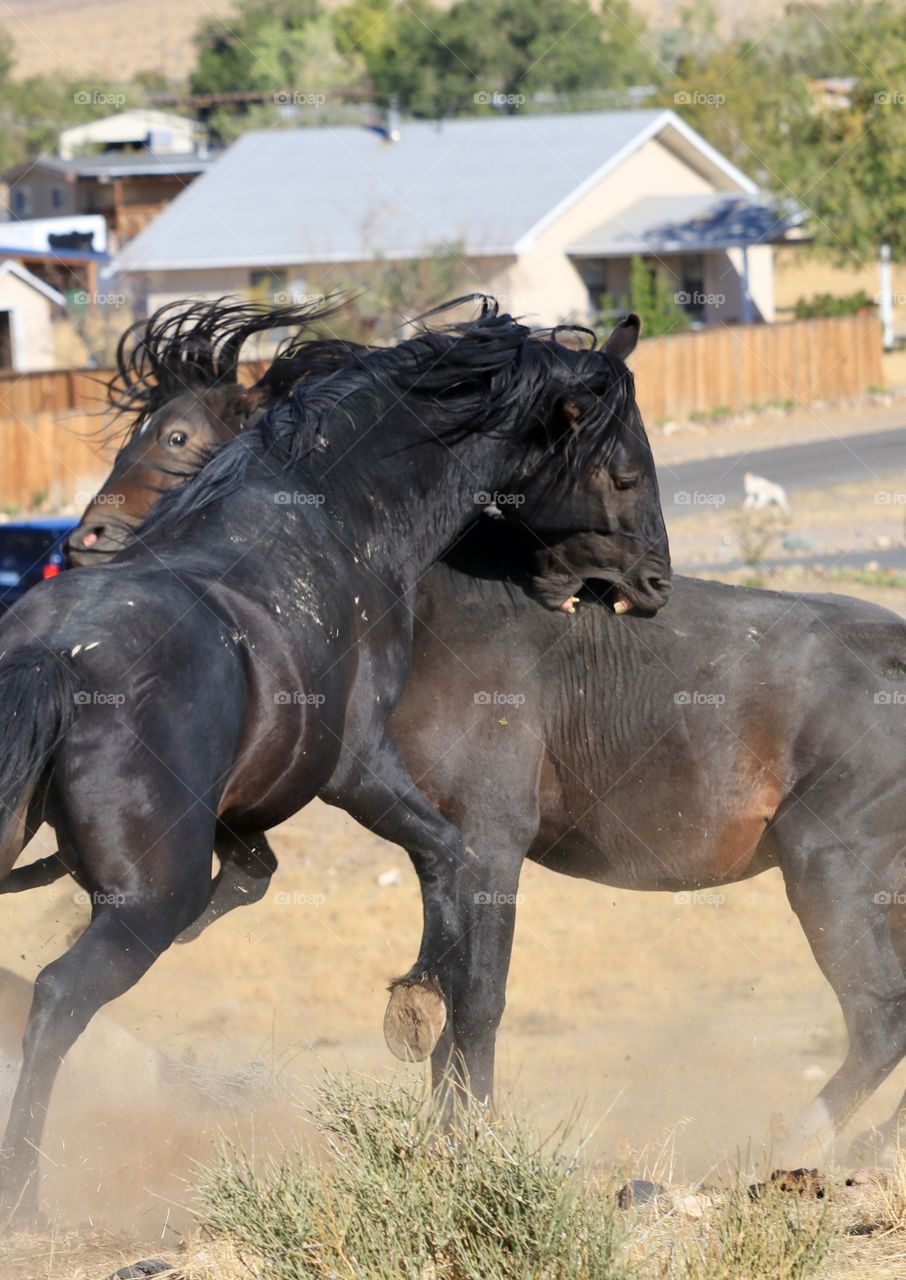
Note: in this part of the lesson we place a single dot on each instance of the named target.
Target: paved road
(850, 459)
(893, 558)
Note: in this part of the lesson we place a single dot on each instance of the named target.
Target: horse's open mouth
(619, 602)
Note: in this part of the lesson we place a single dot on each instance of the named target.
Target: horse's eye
(177, 439)
(626, 482)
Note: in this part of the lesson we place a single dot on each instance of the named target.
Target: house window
(56, 197)
(268, 286)
(597, 281)
(21, 201)
(692, 274)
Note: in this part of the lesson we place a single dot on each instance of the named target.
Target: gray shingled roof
(295, 196)
(687, 224)
(114, 164)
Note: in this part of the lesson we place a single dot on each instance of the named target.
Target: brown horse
(177, 381)
(738, 730)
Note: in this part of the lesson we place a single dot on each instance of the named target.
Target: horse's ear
(622, 342)
(575, 405)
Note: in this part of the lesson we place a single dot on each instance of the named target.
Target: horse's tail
(38, 703)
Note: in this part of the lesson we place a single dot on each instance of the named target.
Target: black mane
(196, 347)
(485, 375)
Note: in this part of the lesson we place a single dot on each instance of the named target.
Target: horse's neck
(407, 507)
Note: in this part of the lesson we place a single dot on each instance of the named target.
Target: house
(163, 132)
(28, 309)
(545, 211)
(136, 174)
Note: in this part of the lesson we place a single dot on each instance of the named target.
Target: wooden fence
(50, 460)
(736, 368)
(50, 451)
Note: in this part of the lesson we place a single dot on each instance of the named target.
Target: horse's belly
(663, 849)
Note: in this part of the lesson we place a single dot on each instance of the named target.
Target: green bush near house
(652, 296)
(823, 306)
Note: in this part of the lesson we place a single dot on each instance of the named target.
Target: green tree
(652, 296)
(285, 49)
(493, 54)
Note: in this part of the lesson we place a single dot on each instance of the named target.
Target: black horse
(244, 654)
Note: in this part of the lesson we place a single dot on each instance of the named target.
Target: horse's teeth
(622, 606)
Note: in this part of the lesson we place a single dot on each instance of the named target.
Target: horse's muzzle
(92, 544)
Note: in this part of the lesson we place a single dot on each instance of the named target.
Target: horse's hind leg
(889, 1135)
(247, 864)
(842, 897)
(132, 923)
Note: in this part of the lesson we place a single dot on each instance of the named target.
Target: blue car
(31, 550)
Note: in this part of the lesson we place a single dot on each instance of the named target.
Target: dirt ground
(678, 1030)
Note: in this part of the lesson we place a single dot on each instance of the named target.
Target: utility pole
(886, 297)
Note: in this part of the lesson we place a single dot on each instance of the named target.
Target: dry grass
(397, 1198)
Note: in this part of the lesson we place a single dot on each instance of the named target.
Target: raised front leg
(382, 796)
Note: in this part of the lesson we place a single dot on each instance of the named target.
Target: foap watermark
(298, 698)
(698, 698)
(94, 698)
(98, 98)
(695, 98)
(897, 898)
(494, 98)
(298, 98)
(485, 499)
(83, 498)
(496, 698)
(94, 298)
(889, 498)
(296, 498)
(84, 899)
(284, 899)
(298, 298)
(695, 498)
(491, 898)
(889, 98)
(683, 298)
(696, 898)
(890, 698)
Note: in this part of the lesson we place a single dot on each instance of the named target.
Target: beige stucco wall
(153, 289)
(31, 324)
(799, 273)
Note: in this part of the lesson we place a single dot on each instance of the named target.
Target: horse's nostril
(87, 538)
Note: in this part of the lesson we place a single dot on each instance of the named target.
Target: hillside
(117, 38)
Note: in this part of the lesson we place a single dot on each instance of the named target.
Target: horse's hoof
(415, 1018)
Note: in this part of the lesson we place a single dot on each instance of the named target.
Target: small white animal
(762, 493)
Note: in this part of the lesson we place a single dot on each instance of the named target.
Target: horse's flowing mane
(196, 347)
(491, 374)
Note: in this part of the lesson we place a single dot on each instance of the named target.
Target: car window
(23, 547)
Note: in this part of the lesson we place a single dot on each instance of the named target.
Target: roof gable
(12, 268)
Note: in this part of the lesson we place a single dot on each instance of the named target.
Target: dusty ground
(674, 1028)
